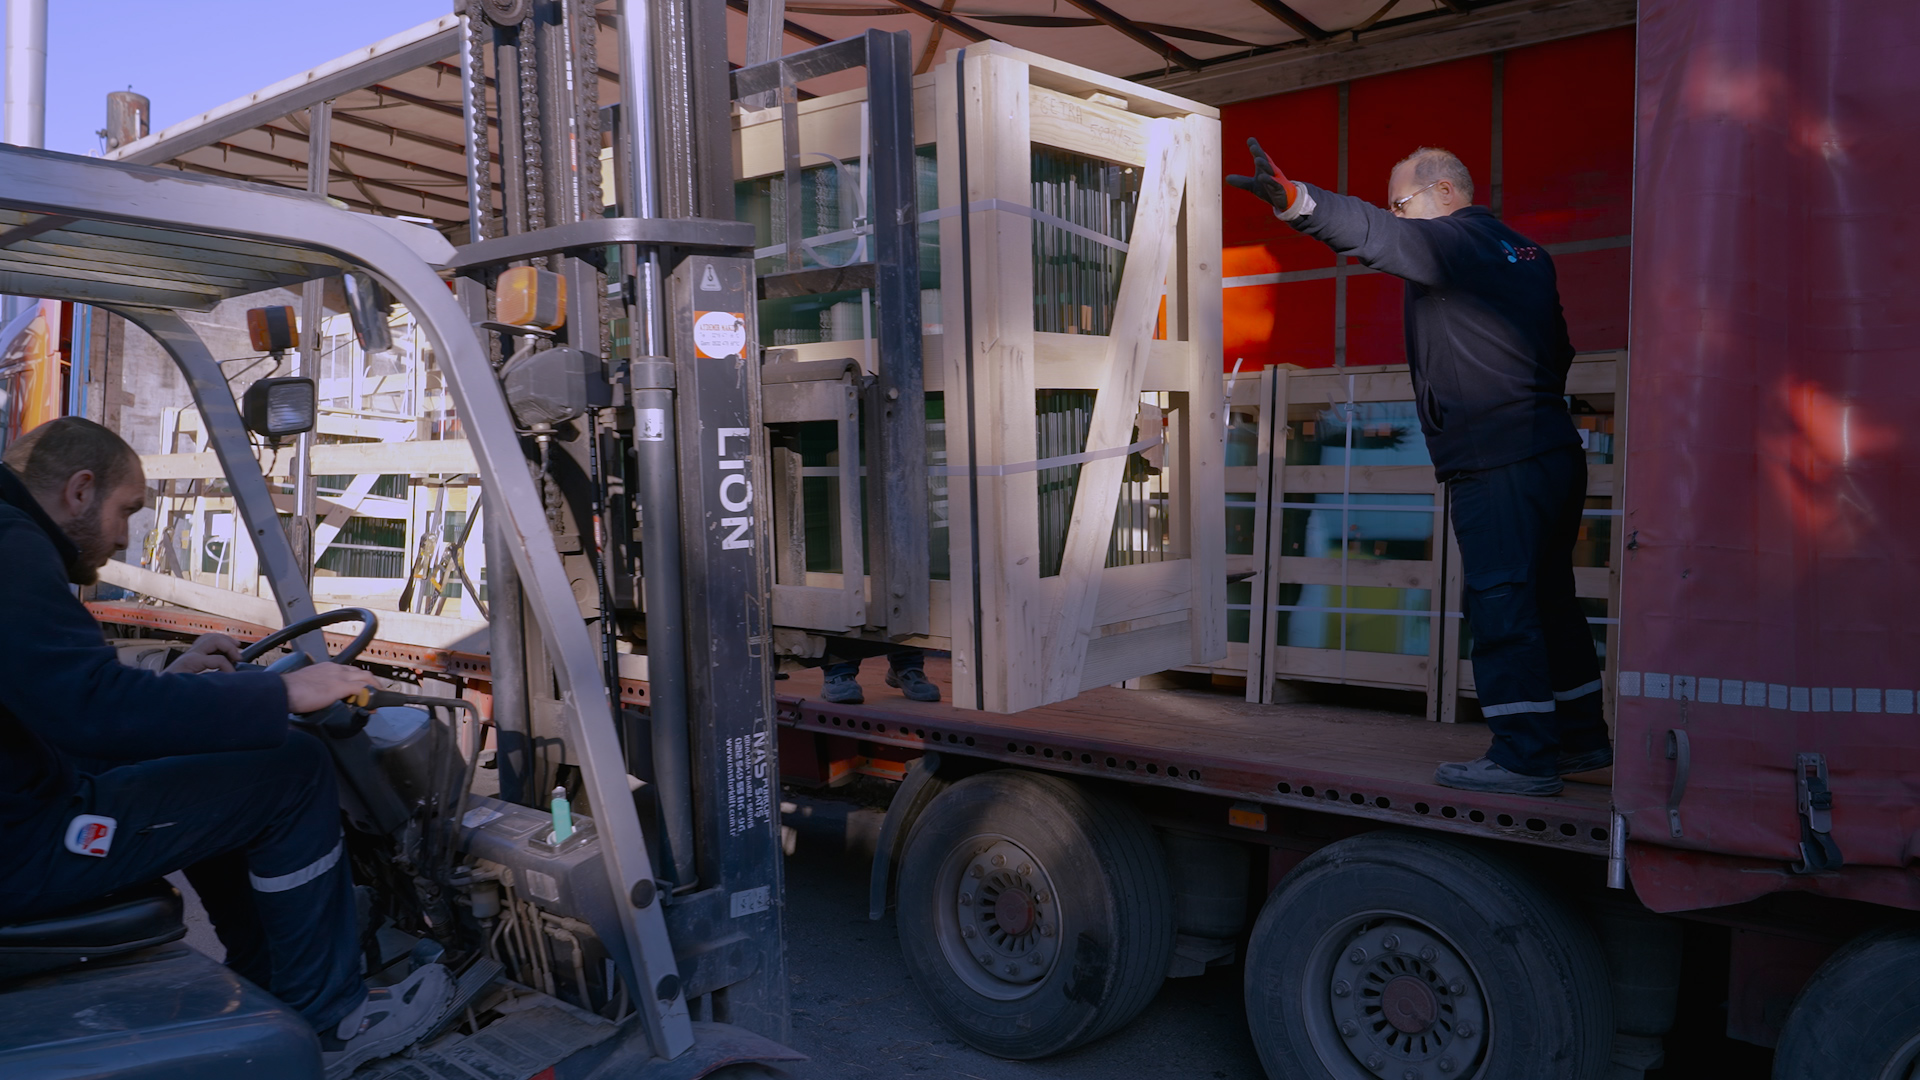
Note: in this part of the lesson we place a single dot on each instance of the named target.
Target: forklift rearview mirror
(277, 408)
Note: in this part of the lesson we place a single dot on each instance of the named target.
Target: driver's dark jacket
(64, 693)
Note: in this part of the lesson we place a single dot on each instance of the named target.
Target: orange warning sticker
(718, 335)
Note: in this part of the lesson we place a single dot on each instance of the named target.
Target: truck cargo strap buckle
(1818, 852)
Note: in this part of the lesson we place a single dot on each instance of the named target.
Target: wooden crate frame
(1440, 675)
(1045, 639)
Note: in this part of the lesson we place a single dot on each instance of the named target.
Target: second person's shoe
(1485, 774)
(843, 690)
(914, 683)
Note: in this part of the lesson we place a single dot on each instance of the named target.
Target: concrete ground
(857, 1013)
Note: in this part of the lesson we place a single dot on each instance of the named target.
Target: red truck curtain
(1771, 586)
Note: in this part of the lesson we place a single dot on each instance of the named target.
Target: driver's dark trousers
(258, 833)
(1533, 660)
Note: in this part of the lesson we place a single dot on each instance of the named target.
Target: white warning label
(652, 426)
(719, 334)
(709, 281)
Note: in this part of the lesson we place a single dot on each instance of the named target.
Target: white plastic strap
(978, 207)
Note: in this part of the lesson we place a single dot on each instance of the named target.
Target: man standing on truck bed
(1487, 344)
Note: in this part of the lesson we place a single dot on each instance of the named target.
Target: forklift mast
(650, 454)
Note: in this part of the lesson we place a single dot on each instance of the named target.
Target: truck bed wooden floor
(1338, 759)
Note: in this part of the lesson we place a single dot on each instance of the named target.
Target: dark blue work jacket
(64, 694)
(1486, 337)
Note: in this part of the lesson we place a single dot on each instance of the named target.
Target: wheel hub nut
(1349, 1028)
(1390, 942)
(1342, 988)
(1357, 956)
(1446, 1065)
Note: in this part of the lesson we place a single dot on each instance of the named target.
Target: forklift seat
(122, 922)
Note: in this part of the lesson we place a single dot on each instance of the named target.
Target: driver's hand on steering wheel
(209, 652)
(313, 688)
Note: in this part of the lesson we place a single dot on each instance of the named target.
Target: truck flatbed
(1332, 758)
(1336, 759)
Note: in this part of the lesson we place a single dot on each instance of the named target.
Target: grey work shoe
(391, 1019)
(843, 690)
(1485, 775)
(914, 683)
(1586, 762)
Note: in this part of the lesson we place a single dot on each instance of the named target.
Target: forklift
(625, 497)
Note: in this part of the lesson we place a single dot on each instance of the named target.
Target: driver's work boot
(391, 1019)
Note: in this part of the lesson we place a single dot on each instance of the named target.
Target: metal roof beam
(933, 14)
(793, 29)
(1138, 33)
(370, 155)
(384, 59)
(1299, 23)
(384, 185)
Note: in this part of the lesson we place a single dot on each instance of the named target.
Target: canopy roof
(398, 133)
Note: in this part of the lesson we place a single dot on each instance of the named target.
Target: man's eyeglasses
(1399, 205)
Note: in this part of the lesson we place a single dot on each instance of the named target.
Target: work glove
(1271, 184)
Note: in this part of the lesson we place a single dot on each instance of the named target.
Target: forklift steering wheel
(297, 660)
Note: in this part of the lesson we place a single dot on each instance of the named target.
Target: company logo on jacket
(1526, 253)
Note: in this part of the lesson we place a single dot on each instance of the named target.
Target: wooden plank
(425, 631)
(1359, 573)
(1055, 74)
(1385, 382)
(340, 510)
(1086, 127)
(1447, 709)
(1002, 347)
(1204, 428)
(1134, 592)
(1078, 362)
(1162, 191)
(1118, 657)
(1593, 582)
(1364, 480)
(442, 456)
(1364, 668)
(1263, 622)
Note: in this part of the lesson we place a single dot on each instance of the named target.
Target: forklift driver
(112, 776)
(1487, 344)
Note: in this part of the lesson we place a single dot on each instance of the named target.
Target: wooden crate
(1285, 580)
(1086, 578)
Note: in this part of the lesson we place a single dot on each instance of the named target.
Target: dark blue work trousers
(1533, 661)
(258, 833)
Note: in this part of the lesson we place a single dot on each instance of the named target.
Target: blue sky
(190, 55)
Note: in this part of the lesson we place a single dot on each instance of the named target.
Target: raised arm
(1410, 249)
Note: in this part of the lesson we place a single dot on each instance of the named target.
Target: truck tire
(1402, 955)
(1035, 914)
(1858, 1018)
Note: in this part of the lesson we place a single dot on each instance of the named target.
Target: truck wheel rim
(998, 918)
(1906, 1062)
(1389, 997)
